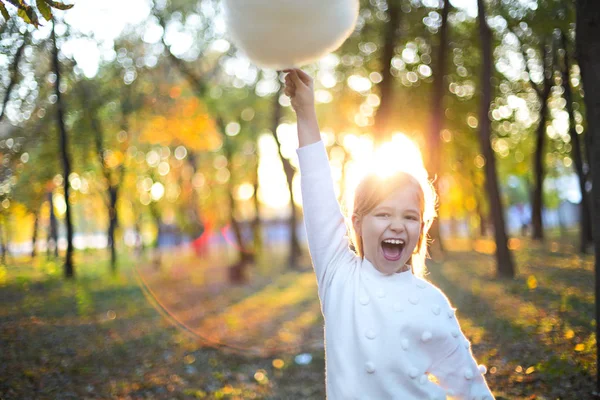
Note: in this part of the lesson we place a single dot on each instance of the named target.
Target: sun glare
(399, 154)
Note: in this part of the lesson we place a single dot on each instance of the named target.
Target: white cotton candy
(281, 34)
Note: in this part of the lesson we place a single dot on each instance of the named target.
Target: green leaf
(28, 15)
(59, 6)
(44, 9)
(23, 14)
(4, 12)
(32, 16)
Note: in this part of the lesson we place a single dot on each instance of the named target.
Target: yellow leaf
(569, 334)
(530, 370)
(580, 347)
(531, 282)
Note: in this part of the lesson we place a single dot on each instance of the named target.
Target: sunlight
(272, 193)
(399, 154)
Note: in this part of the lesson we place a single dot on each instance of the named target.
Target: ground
(178, 330)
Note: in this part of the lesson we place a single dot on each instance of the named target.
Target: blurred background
(144, 155)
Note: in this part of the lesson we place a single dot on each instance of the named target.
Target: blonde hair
(373, 189)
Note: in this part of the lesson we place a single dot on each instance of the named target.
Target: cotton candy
(281, 34)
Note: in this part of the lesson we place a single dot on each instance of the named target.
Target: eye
(412, 217)
(383, 214)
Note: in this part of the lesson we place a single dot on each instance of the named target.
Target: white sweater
(384, 334)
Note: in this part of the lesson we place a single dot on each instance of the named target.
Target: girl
(386, 329)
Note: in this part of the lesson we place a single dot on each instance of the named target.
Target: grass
(179, 330)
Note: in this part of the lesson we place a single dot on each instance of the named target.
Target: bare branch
(14, 70)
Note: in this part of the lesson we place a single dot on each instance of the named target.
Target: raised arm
(325, 227)
(299, 88)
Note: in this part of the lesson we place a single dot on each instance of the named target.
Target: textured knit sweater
(386, 336)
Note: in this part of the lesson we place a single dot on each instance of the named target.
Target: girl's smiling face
(391, 231)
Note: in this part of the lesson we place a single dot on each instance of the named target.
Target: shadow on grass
(573, 310)
(515, 344)
(580, 278)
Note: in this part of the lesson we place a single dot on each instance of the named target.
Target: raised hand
(299, 88)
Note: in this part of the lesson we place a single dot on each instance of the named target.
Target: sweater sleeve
(456, 369)
(323, 219)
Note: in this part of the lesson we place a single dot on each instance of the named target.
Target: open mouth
(392, 249)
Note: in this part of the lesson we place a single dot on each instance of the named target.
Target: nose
(397, 225)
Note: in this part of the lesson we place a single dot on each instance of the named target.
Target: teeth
(393, 241)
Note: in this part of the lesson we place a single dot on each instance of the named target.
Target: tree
(65, 157)
(113, 176)
(535, 31)
(199, 85)
(543, 94)
(588, 55)
(585, 222)
(505, 265)
(290, 171)
(437, 116)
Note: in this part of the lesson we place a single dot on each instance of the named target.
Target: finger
(289, 90)
(296, 79)
(306, 79)
(290, 86)
(289, 81)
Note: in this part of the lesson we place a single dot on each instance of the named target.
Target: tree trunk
(3, 245)
(482, 220)
(537, 224)
(66, 162)
(386, 86)
(585, 218)
(505, 266)
(479, 210)
(109, 176)
(257, 222)
(588, 55)
(193, 214)
(158, 222)
(156, 256)
(479, 231)
(294, 246)
(52, 229)
(113, 222)
(36, 220)
(434, 149)
(238, 273)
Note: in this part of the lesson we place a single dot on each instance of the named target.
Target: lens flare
(400, 154)
(191, 287)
